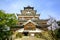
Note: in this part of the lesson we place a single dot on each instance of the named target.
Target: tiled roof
(28, 15)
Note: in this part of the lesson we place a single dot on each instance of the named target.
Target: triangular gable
(29, 21)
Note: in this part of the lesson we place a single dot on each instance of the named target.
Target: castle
(29, 22)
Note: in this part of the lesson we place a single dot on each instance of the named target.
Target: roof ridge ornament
(28, 7)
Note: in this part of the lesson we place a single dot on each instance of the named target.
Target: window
(20, 23)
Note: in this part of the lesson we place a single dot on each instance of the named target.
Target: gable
(29, 21)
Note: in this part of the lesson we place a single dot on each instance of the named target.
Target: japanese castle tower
(29, 21)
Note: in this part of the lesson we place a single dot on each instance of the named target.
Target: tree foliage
(57, 33)
(6, 20)
(58, 23)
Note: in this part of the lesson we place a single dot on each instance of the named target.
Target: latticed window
(30, 28)
(20, 23)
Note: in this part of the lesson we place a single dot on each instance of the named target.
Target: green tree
(57, 32)
(6, 21)
(58, 23)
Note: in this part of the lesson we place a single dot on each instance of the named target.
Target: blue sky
(44, 7)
